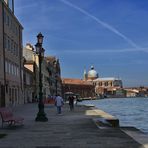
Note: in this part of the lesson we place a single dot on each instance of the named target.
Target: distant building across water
(100, 87)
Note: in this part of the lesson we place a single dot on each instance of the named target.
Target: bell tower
(85, 75)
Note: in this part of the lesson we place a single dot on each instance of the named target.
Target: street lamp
(41, 116)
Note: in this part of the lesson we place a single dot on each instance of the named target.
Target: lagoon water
(130, 111)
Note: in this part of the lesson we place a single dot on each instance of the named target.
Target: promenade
(70, 130)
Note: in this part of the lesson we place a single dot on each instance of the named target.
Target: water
(130, 111)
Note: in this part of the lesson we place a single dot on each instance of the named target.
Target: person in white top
(59, 103)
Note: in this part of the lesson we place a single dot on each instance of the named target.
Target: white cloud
(95, 51)
(26, 6)
(104, 24)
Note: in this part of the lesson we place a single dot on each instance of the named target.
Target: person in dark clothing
(71, 102)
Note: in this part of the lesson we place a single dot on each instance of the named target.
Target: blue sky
(111, 35)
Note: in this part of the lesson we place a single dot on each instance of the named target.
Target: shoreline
(132, 131)
(87, 99)
(130, 111)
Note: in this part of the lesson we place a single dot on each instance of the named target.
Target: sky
(111, 35)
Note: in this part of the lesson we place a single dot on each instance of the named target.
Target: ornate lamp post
(41, 116)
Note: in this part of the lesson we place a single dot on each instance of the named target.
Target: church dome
(92, 74)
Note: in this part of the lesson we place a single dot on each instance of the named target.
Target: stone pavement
(69, 130)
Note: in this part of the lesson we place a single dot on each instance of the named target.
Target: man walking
(59, 103)
(71, 102)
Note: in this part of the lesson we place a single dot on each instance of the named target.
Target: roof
(28, 70)
(107, 79)
(75, 81)
(29, 62)
(132, 90)
(50, 58)
(92, 74)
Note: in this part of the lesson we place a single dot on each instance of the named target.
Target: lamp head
(40, 38)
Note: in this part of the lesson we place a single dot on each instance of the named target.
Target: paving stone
(71, 130)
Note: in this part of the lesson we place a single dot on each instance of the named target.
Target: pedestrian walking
(71, 102)
(59, 103)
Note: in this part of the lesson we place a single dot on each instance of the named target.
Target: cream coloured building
(31, 63)
(28, 85)
(106, 86)
(51, 74)
(11, 62)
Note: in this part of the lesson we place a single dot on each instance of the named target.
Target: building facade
(31, 63)
(45, 77)
(109, 87)
(136, 91)
(51, 72)
(54, 72)
(82, 88)
(92, 86)
(11, 61)
(104, 87)
(28, 85)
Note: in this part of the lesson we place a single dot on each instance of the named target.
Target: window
(11, 5)
(8, 21)
(17, 71)
(17, 49)
(106, 83)
(10, 94)
(100, 83)
(5, 17)
(14, 50)
(8, 43)
(13, 67)
(11, 24)
(12, 45)
(5, 41)
(6, 66)
(9, 67)
(16, 30)
(13, 29)
(15, 94)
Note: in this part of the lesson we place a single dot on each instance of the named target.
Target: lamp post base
(41, 117)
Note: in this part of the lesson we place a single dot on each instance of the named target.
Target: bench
(7, 116)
